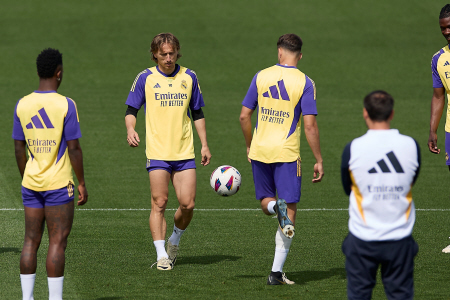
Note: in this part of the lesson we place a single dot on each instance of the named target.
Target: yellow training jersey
(46, 121)
(167, 100)
(440, 70)
(281, 94)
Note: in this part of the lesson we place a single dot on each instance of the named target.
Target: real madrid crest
(446, 156)
(183, 84)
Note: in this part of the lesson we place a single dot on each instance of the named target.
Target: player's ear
(365, 114)
(391, 115)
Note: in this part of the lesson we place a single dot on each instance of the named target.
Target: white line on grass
(219, 209)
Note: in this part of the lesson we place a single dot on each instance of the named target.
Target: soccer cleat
(286, 225)
(278, 278)
(172, 251)
(164, 264)
(446, 249)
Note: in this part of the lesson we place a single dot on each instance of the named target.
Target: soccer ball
(225, 180)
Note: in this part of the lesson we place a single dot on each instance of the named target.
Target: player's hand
(82, 194)
(133, 138)
(318, 172)
(432, 143)
(206, 156)
(248, 152)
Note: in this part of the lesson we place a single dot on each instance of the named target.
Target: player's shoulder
(146, 72)
(438, 54)
(191, 73)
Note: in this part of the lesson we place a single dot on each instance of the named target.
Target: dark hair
(445, 12)
(379, 105)
(291, 42)
(163, 38)
(47, 62)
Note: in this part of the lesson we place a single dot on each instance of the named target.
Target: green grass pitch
(350, 48)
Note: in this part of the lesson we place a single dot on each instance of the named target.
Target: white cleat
(446, 249)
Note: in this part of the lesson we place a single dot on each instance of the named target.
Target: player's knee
(159, 203)
(33, 239)
(187, 206)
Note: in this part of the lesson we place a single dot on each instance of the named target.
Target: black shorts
(397, 266)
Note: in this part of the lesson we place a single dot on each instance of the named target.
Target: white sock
(282, 244)
(27, 282)
(55, 287)
(176, 235)
(160, 249)
(270, 207)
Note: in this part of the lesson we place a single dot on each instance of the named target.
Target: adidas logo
(157, 86)
(37, 122)
(385, 168)
(446, 63)
(276, 92)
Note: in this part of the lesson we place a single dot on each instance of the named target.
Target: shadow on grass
(9, 249)
(205, 259)
(109, 298)
(304, 277)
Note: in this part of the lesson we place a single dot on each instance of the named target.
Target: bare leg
(59, 220)
(292, 211)
(34, 227)
(265, 202)
(159, 185)
(185, 184)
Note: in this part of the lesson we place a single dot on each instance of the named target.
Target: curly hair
(47, 62)
(164, 38)
(291, 42)
(445, 12)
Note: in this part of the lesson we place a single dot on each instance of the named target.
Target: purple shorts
(447, 148)
(170, 166)
(282, 178)
(36, 199)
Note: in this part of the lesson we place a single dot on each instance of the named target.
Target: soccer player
(171, 94)
(282, 94)
(46, 124)
(440, 70)
(378, 170)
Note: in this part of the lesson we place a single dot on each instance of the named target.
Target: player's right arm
(132, 136)
(437, 108)
(135, 100)
(21, 156)
(246, 124)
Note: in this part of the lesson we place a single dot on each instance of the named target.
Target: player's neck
(47, 84)
(288, 62)
(372, 125)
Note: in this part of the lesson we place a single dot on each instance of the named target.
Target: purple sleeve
(71, 124)
(437, 83)
(17, 127)
(136, 97)
(308, 99)
(196, 101)
(251, 99)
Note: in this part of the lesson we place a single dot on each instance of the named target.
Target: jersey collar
(44, 92)
(175, 72)
(291, 67)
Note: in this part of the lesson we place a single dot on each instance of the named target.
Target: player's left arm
(76, 159)
(312, 136)
(21, 156)
(200, 126)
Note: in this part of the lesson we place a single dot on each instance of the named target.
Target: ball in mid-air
(225, 180)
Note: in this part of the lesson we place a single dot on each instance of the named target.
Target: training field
(350, 49)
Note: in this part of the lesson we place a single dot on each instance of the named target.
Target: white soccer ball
(225, 180)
